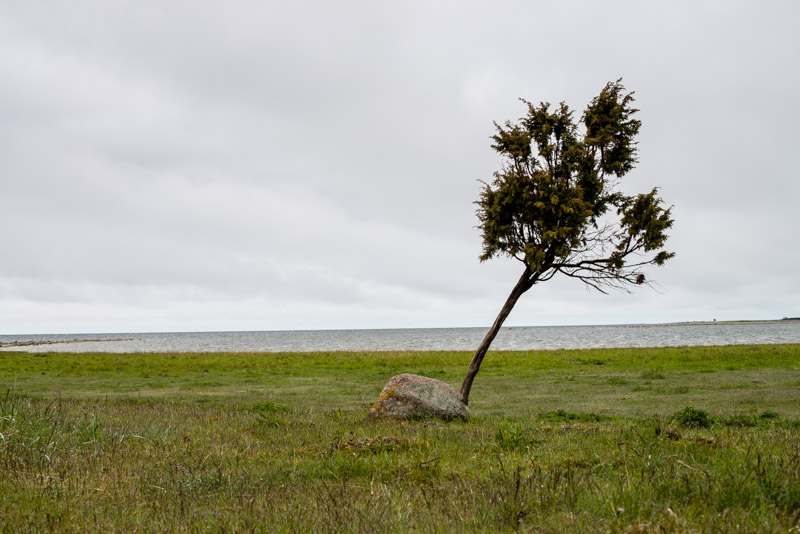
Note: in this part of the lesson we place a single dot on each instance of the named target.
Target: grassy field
(688, 439)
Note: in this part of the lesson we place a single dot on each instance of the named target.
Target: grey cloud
(315, 164)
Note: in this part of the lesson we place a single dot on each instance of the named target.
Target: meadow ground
(686, 439)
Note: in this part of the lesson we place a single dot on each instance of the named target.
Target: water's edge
(512, 338)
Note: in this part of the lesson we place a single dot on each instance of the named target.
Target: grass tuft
(561, 416)
(692, 418)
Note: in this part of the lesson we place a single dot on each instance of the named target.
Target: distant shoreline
(386, 338)
(791, 320)
(735, 322)
(7, 344)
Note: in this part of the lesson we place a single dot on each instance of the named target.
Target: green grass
(683, 439)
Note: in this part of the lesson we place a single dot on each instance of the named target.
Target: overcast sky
(218, 165)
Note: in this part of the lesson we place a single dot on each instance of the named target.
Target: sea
(511, 338)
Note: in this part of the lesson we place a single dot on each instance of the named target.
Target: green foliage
(269, 407)
(104, 465)
(739, 420)
(554, 204)
(284, 444)
(514, 436)
(692, 418)
(726, 381)
(562, 416)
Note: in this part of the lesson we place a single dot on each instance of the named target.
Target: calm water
(515, 338)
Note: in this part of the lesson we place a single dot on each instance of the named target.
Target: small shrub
(692, 418)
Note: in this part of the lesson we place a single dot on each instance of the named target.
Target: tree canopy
(555, 204)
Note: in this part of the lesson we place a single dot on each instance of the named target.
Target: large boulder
(410, 396)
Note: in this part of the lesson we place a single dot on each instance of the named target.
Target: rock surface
(410, 396)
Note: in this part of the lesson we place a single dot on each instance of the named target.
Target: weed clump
(691, 417)
(768, 414)
(512, 437)
(764, 418)
(592, 361)
(561, 416)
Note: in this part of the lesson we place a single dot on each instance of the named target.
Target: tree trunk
(525, 282)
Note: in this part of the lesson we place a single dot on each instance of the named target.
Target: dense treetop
(555, 205)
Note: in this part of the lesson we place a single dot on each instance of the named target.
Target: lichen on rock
(409, 396)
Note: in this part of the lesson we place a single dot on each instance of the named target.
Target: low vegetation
(635, 440)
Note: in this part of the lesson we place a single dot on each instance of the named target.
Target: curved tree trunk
(525, 282)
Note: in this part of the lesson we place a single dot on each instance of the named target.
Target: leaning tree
(555, 204)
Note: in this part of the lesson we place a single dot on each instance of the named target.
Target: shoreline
(731, 322)
(8, 344)
(792, 320)
(696, 333)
